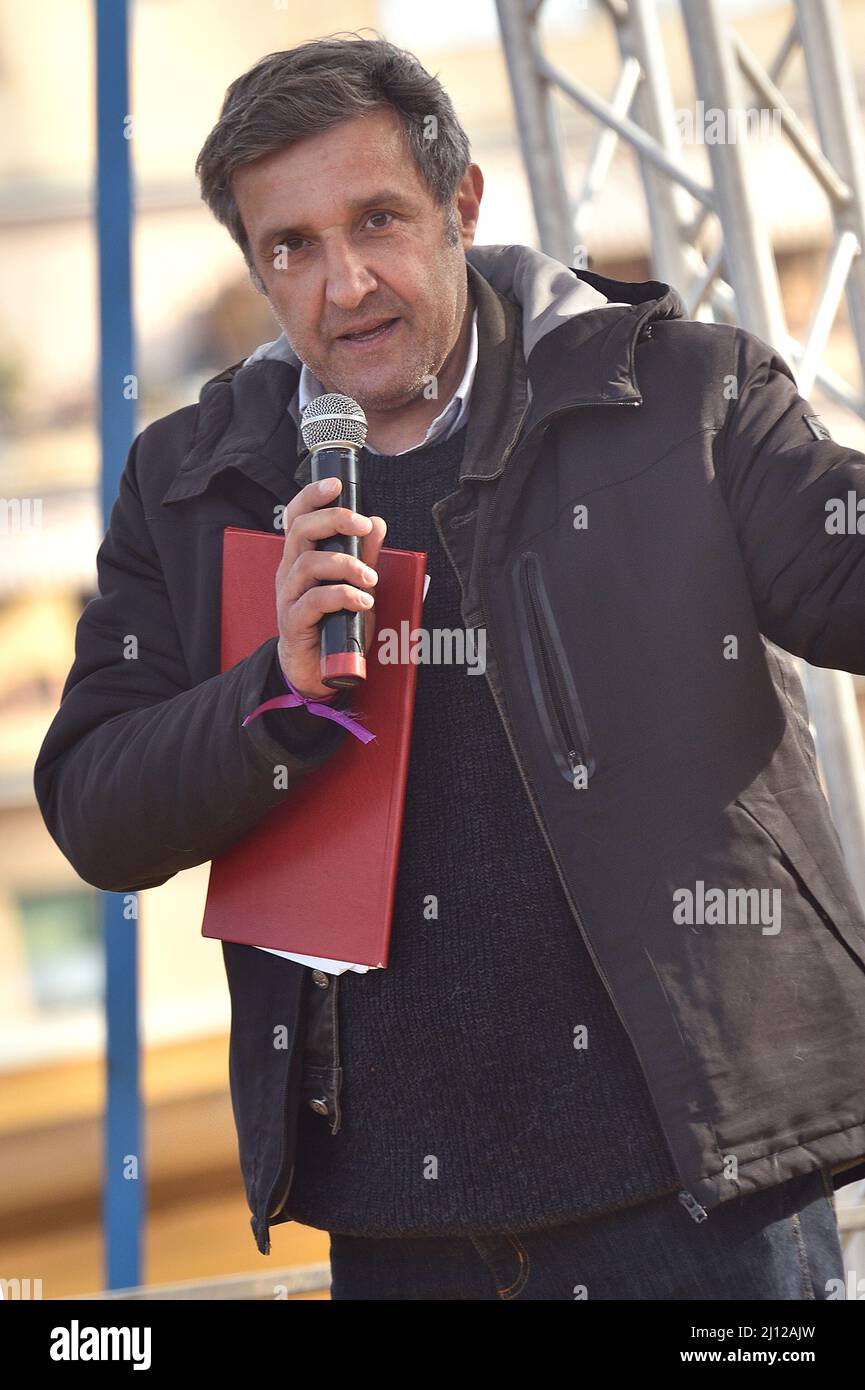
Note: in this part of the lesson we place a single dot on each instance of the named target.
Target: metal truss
(707, 239)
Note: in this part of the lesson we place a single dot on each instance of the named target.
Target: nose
(347, 281)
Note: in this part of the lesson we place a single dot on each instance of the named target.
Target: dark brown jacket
(633, 654)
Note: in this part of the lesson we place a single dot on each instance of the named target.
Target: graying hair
(309, 89)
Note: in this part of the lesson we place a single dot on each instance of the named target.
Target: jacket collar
(547, 340)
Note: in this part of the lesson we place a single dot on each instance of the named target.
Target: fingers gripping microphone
(334, 430)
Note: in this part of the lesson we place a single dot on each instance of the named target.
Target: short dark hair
(305, 90)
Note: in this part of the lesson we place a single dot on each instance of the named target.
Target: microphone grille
(333, 419)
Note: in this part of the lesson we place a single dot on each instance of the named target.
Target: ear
(468, 204)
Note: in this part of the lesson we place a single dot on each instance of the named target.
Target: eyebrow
(385, 195)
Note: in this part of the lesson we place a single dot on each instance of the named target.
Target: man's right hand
(301, 602)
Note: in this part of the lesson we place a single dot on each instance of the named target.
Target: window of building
(63, 945)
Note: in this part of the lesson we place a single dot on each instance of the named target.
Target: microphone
(334, 428)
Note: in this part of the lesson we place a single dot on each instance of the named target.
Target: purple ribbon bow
(341, 716)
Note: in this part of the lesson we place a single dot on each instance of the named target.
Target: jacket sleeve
(141, 773)
(785, 488)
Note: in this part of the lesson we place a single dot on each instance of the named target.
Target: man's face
(346, 236)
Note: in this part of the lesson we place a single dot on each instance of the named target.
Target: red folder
(318, 874)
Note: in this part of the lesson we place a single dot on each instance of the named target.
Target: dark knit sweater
(465, 1104)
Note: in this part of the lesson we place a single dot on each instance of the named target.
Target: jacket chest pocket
(554, 694)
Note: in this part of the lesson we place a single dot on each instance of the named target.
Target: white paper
(330, 967)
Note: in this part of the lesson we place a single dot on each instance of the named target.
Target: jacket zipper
(564, 703)
(692, 1206)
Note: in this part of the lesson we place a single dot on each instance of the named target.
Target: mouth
(375, 333)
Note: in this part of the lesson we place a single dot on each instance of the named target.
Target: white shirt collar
(448, 420)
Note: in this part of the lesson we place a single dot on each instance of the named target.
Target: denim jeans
(781, 1243)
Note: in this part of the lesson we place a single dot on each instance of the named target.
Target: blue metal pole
(123, 1176)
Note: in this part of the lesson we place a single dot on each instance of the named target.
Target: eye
(380, 213)
(294, 243)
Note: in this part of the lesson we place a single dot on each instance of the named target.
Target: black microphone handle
(342, 656)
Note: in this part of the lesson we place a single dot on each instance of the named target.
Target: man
(618, 1049)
